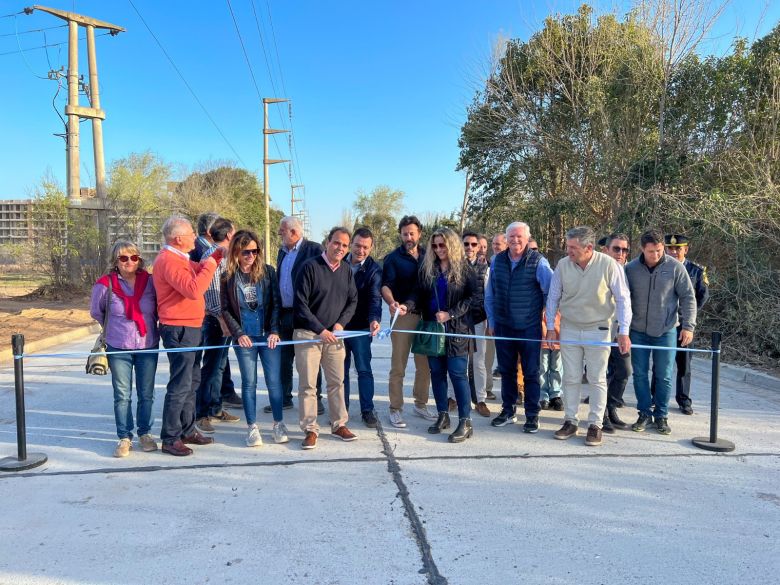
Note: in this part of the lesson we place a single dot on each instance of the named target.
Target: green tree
(53, 231)
(380, 211)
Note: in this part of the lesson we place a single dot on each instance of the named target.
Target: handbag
(426, 339)
(97, 362)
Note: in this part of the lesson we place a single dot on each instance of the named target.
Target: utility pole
(74, 112)
(266, 163)
(293, 199)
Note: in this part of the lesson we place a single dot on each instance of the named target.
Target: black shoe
(490, 396)
(613, 417)
(531, 424)
(662, 426)
(544, 405)
(285, 406)
(641, 423)
(233, 399)
(320, 407)
(556, 403)
(504, 418)
(496, 373)
(606, 426)
(369, 418)
(686, 409)
(463, 432)
(587, 400)
(443, 422)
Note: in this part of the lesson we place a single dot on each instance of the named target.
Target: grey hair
(518, 224)
(171, 225)
(583, 233)
(292, 222)
(205, 221)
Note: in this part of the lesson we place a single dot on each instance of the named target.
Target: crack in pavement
(421, 538)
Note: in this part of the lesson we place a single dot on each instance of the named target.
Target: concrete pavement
(397, 506)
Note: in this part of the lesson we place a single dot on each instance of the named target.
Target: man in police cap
(677, 248)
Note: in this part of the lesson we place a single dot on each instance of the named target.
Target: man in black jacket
(399, 276)
(325, 302)
(368, 280)
(477, 372)
(293, 254)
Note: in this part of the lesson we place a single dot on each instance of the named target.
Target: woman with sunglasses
(131, 304)
(250, 306)
(446, 284)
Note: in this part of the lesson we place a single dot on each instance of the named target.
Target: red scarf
(132, 303)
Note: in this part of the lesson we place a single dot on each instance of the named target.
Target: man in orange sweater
(180, 285)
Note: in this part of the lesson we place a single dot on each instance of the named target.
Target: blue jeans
(550, 374)
(122, 365)
(209, 397)
(456, 367)
(360, 347)
(663, 365)
(529, 353)
(247, 364)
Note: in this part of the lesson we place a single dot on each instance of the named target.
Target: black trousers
(178, 418)
(618, 372)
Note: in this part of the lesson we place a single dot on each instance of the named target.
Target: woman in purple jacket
(132, 324)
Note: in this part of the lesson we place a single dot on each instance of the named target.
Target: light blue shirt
(285, 275)
(543, 277)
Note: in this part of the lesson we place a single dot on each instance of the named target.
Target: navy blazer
(305, 252)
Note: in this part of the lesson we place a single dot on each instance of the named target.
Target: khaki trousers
(308, 359)
(490, 359)
(402, 346)
(595, 358)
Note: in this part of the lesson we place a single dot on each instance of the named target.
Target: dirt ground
(39, 317)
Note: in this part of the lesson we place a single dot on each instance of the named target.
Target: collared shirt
(355, 266)
(333, 267)
(618, 286)
(399, 272)
(285, 274)
(213, 304)
(176, 251)
(121, 332)
(543, 277)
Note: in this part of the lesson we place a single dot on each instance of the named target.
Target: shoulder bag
(97, 362)
(427, 340)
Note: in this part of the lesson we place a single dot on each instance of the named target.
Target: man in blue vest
(515, 295)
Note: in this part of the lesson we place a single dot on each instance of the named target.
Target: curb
(740, 375)
(7, 355)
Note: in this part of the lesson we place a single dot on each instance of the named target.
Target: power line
(45, 46)
(243, 48)
(12, 14)
(24, 32)
(187, 85)
(273, 85)
(293, 149)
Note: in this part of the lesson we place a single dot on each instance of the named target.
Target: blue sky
(379, 89)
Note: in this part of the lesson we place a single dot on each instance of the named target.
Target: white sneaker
(425, 413)
(253, 438)
(397, 420)
(280, 433)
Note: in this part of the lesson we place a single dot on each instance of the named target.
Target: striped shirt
(213, 305)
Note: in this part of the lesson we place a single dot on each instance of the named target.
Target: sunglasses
(248, 253)
(437, 246)
(619, 250)
(471, 244)
(134, 258)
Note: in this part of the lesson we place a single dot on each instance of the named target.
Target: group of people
(320, 308)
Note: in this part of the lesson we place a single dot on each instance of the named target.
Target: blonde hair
(116, 251)
(241, 239)
(430, 269)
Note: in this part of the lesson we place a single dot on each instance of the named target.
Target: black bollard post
(23, 460)
(712, 443)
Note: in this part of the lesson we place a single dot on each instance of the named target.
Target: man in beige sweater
(589, 289)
